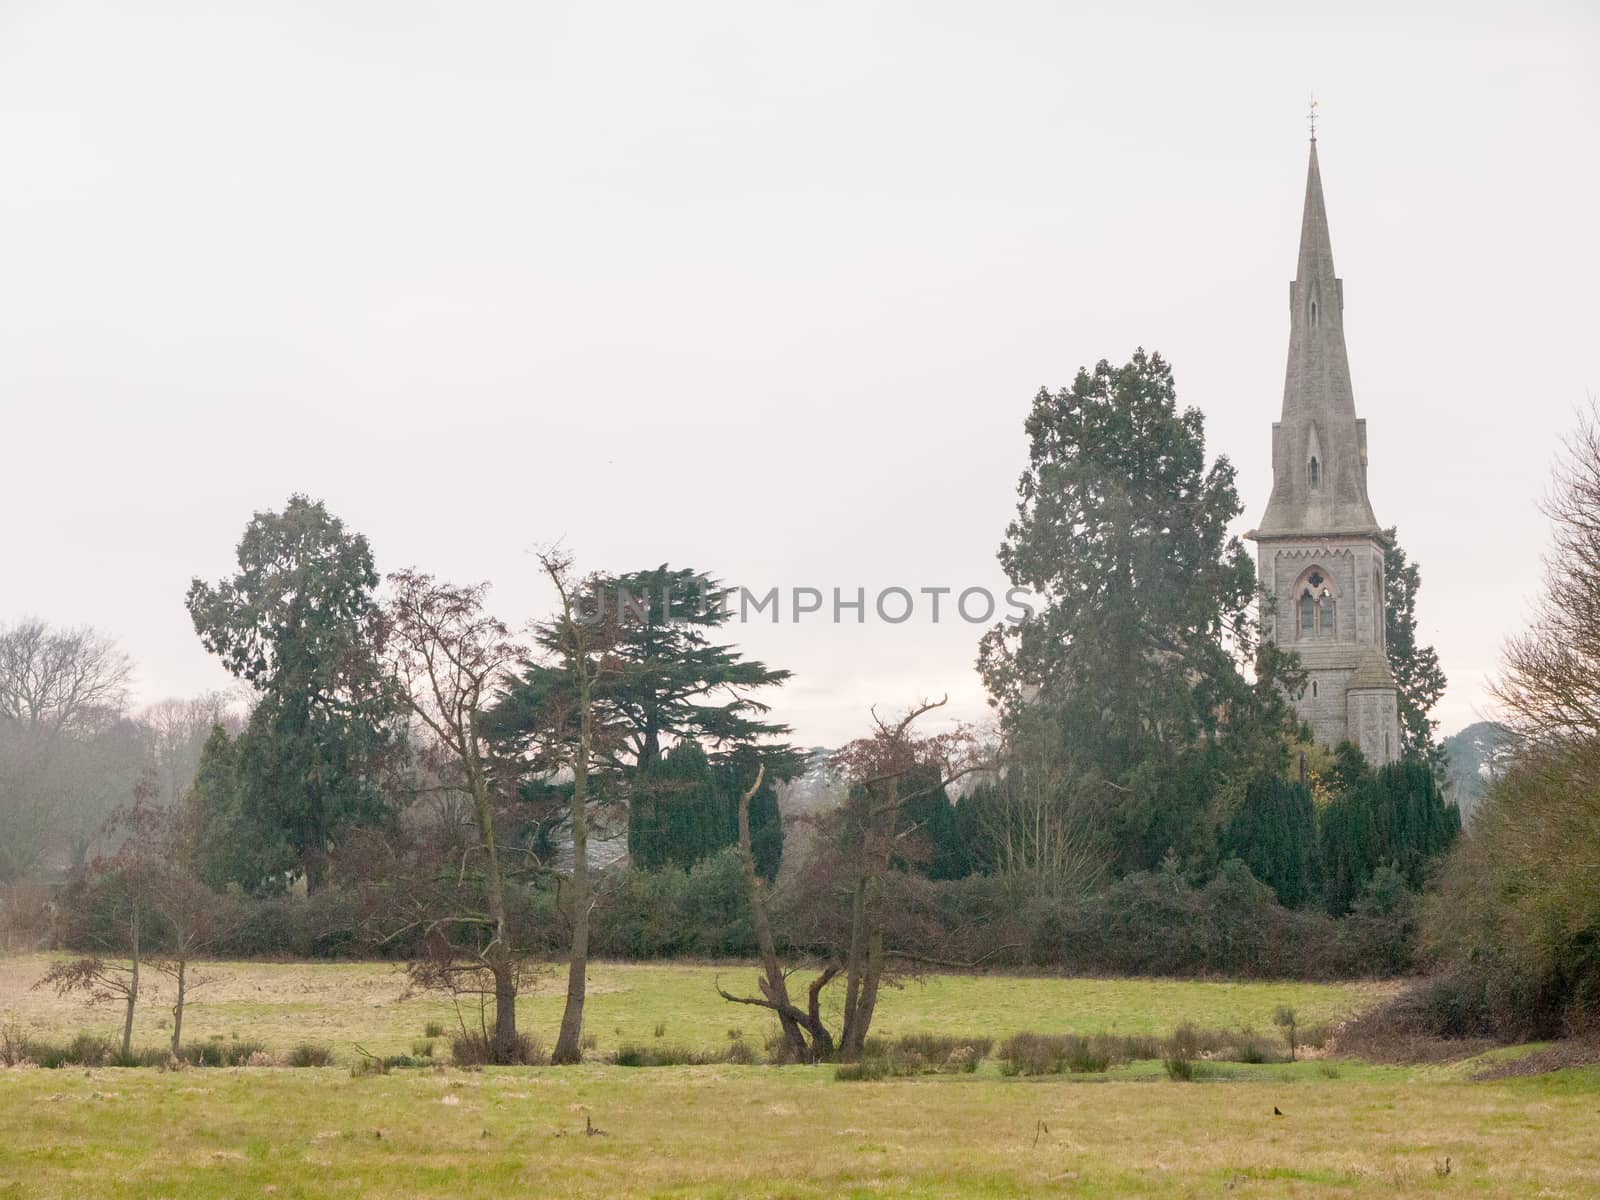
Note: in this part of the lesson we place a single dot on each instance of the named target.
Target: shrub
(1284, 1018)
(1514, 930)
(13, 1047)
(309, 1054)
(1182, 1050)
(422, 1049)
(218, 1053)
(476, 1049)
(1248, 1048)
(433, 1029)
(1056, 1054)
(632, 1054)
(867, 1070)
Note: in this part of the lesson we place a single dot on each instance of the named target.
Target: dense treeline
(1153, 923)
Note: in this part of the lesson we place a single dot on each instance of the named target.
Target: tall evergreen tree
(1122, 530)
(1419, 681)
(298, 621)
(228, 849)
(1395, 817)
(1274, 832)
(679, 814)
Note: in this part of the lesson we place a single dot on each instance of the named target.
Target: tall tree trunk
(506, 1046)
(133, 990)
(854, 962)
(855, 1034)
(569, 1043)
(865, 963)
(177, 1005)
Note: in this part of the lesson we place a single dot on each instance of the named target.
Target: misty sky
(761, 289)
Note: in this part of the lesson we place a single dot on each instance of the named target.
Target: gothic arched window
(1314, 473)
(1317, 604)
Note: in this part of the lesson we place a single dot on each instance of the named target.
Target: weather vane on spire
(1312, 117)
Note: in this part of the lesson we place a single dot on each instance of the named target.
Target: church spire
(1319, 453)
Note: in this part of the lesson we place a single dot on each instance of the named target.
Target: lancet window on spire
(1314, 473)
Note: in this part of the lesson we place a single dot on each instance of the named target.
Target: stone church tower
(1319, 548)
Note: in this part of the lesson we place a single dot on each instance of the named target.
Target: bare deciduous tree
(448, 655)
(1037, 818)
(52, 681)
(68, 757)
(1550, 683)
(583, 642)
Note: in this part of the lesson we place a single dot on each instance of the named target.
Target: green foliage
(299, 623)
(229, 848)
(1419, 680)
(667, 913)
(1274, 832)
(936, 848)
(668, 688)
(1394, 817)
(1125, 530)
(1515, 925)
(915, 1054)
(1057, 1054)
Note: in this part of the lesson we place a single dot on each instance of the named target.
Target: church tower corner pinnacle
(1319, 546)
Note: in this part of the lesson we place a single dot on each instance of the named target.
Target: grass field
(342, 1004)
(1348, 1129)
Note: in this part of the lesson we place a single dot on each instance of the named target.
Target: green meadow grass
(344, 1005)
(1348, 1129)
(726, 1132)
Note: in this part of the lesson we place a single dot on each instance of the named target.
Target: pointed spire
(1316, 246)
(1319, 447)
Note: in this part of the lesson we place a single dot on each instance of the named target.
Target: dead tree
(877, 768)
(796, 1024)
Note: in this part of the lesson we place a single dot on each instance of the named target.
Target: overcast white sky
(761, 289)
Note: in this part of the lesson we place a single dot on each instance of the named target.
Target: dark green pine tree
(228, 848)
(931, 828)
(678, 813)
(1273, 831)
(668, 683)
(1396, 817)
(298, 621)
(1417, 674)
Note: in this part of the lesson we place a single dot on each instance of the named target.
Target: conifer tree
(1274, 832)
(668, 683)
(299, 622)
